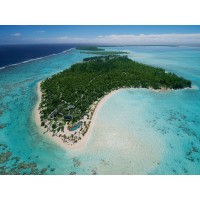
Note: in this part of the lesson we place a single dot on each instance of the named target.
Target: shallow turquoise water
(18, 98)
(137, 131)
(174, 116)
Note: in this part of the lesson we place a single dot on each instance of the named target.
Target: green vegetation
(100, 58)
(105, 52)
(89, 48)
(72, 92)
(98, 51)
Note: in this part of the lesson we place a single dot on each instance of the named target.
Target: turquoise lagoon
(137, 131)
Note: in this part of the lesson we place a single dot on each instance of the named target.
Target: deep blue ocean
(137, 131)
(13, 54)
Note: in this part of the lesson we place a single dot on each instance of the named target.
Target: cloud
(140, 39)
(16, 34)
(150, 39)
(40, 31)
(72, 39)
(62, 38)
(120, 39)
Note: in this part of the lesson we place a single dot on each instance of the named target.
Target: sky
(119, 35)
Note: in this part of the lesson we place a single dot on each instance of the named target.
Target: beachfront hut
(68, 117)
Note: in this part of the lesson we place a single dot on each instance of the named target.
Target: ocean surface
(15, 54)
(137, 131)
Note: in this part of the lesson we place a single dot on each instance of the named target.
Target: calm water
(137, 131)
(13, 54)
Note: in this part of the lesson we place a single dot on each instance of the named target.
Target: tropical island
(98, 51)
(105, 52)
(90, 48)
(70, 98)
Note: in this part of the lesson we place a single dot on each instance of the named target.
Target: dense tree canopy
(72, 91)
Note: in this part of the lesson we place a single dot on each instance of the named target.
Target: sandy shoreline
(81, 143)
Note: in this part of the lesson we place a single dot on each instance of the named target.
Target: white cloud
(72, 39)
(40, 31)
(16, 34)
(62, 38)
(140, 39)
(150, 39)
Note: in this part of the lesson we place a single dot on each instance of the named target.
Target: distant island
(90, 48)
(70, 98)
(98, 51)
(105, 52)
